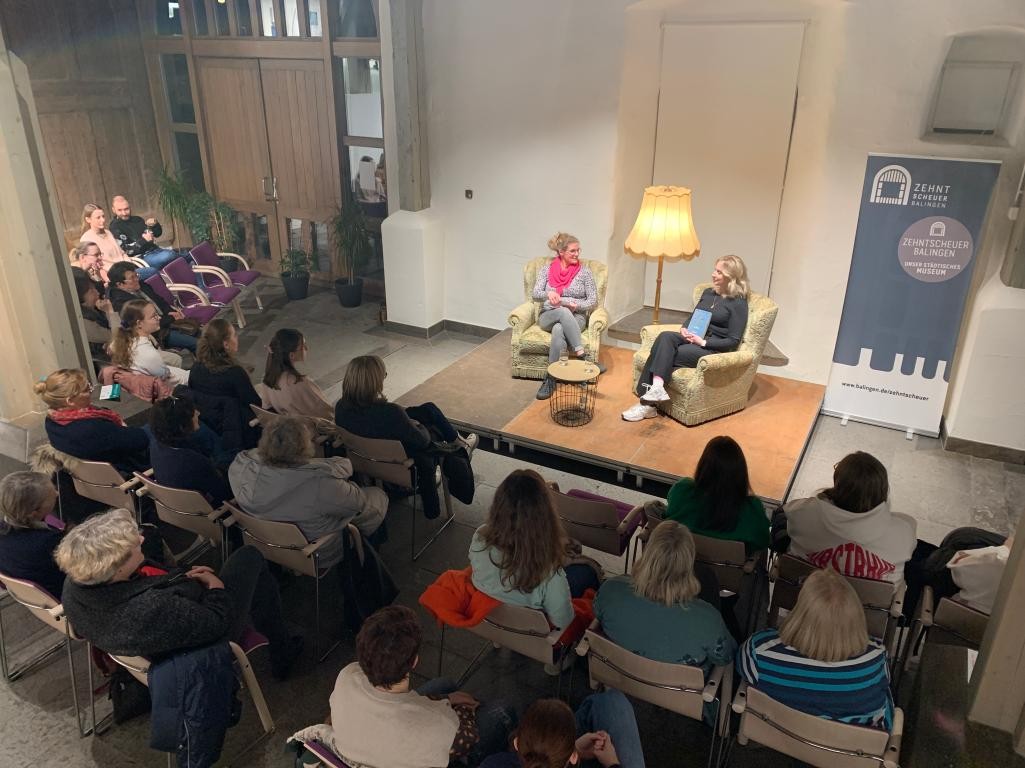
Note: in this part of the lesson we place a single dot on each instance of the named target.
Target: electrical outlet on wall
(468, 193)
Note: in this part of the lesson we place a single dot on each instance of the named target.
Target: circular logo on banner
(935, 249)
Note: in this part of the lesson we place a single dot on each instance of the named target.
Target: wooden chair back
(383, 460)
(594, 524)
(523, 630)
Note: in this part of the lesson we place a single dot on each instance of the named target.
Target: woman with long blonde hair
(726, 304)
(822, 660)
(657, 612)
(94, 230)
(133, 346)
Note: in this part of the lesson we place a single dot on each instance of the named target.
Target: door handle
(265, 188)
(274, 187)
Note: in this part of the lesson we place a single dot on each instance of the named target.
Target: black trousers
(669, 351)
(255, 594)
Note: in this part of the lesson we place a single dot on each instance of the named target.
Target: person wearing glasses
(78, 428)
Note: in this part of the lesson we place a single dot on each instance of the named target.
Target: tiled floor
(36, 720)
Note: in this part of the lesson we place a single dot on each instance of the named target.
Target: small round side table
(576, 382)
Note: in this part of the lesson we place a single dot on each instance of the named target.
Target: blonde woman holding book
(726, 305)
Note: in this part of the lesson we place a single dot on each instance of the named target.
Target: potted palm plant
(352, 243)
(295, 273)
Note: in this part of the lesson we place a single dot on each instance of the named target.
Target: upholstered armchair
(721, 382)
(530, 344)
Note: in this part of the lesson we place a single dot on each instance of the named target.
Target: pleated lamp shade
(664, 230)
(664, 226)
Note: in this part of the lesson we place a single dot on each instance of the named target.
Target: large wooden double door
(270, 151)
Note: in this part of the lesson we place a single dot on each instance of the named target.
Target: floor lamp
(664, 230)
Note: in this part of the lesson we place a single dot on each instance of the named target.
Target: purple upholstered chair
(202, 312)
(183, 281)
(599, 522)
(206, 255)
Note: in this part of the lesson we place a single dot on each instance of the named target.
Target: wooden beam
(279, 18)
(363, 48)
(302, 9)
(244, 48)
(254, 18)
(232, 18)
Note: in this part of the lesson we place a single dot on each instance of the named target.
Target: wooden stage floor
(477, 392)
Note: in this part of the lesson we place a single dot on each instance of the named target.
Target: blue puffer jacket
(195, 701)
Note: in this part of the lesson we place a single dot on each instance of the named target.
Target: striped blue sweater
(855, 691)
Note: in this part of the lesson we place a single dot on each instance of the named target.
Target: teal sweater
(686, 506)
(693, 633)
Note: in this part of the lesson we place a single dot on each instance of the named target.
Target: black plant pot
(297, 287)
(350, 295)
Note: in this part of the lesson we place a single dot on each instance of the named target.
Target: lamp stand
(658, 292)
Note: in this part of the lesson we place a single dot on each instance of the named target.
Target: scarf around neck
(65, 416)
(559, 276)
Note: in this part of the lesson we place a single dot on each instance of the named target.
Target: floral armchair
(721, 382)
(530, 344)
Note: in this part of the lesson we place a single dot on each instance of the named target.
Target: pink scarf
(65, 416)
(560, 276)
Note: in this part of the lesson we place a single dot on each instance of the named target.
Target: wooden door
(235, 128)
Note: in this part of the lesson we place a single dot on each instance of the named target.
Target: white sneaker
(640, 412)
(469, 442)
(656, 394)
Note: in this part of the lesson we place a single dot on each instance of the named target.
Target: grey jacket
(319, 496)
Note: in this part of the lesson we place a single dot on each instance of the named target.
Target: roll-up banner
(914, 252)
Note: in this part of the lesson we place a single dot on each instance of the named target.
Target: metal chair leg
(471, 667)
(441, 650)
(450, 517)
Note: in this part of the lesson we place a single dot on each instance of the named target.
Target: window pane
(169, 17)
(245, 21)
(361, 80)
(356, 18)
(315, 28)
(176, 84)
(256, 235)
(199, 18)
(187, 157)
(221, 18)
(291, 18)
(267, 26)
(366, 174)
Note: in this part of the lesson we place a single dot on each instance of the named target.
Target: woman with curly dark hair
(179, 459)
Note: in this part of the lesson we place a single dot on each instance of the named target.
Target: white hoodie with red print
(872, 545)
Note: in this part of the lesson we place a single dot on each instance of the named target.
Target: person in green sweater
(657, 612)
(718, 502)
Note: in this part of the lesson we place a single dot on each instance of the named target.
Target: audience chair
(182, 280)
(598, 522)
(720, 383)
(138, 261)
(190, 511)
(883, 601)
(100, 481)
(811, 739)
(205, 255)
(49, 611)
(323, 753)
(736, 571)
(285, 544)
(202, 311)
(676, 687)
(139, 666)
(385, 461)
(530, 345)
(324, 431)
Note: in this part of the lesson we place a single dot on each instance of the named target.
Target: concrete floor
(36, 717)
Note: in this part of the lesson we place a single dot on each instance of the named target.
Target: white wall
(522, 99)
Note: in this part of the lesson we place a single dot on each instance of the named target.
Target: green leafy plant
(295, 262)
(205, 217)
(350, 237)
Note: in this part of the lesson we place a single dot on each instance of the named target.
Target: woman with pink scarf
(569, 293)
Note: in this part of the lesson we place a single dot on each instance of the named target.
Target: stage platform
(477, 393)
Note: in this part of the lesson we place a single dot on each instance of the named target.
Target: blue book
(699, 321)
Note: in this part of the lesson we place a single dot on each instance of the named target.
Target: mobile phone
(110, 392)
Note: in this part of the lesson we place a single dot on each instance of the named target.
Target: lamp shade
(664, 226)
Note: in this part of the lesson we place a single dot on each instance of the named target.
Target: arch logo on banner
(914, 252)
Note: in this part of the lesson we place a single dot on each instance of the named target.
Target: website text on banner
(913, 257)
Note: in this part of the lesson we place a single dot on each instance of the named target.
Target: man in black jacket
(125, 286)
(137, 237)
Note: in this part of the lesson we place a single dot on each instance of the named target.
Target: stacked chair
(207, 256)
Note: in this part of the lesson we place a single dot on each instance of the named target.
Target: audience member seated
(78, 428)
(134, 347)
(518, 555)
(94, 230)
(426, 435)
(98, 316)
(137, 237)
(89, 258)
(726, 301)
(850, 526)
(181, 456)
(569, 293)
(821, 661)
(118, 605)
(217, 373)
(378, 718)
(176, 330)
(26, 541)
(658, 612)
(281, 480)
(285, 390)
(967, 566)
(547, 735)
(718, 502)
